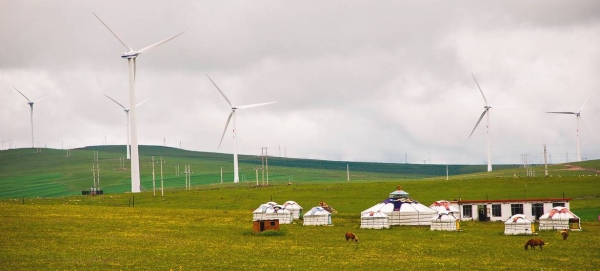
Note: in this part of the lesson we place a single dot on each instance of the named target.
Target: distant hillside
(27, 173)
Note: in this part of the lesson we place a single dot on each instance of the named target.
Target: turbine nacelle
(129, 54)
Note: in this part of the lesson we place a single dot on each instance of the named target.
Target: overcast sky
(379, 81)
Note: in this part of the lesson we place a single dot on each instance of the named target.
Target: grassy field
(210, 226)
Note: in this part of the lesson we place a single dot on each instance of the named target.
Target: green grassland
(47, 226)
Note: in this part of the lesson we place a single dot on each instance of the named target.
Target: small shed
(265, 225)
(317, 216)
(559, 218)
(374, 220)
(518, 225)
(445, 221)
(294, 208)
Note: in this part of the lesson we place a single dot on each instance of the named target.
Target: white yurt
(294, 208)
(559, 218)
(518, 224)
(402, 210)
(443, 206)
(445, 221)
(374, 220)
(268, 212)
(317, 216)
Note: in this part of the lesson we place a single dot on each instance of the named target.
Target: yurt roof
(317, 211)
(518, 219)
(443, 205)
(373, 214)
(292, 205)
(558, 212)
(444, 217)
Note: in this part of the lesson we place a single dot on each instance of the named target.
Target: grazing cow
(565, 234)
(535, 242)
(351, 236)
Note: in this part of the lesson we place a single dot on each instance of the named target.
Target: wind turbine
(131, 55)
(127, 122)
(236, 177)
(486, 110)
(579, 119)
(30, 102)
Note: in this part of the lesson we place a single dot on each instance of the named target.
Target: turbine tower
(30, 102)
(486, 110)
(579, 120)
(127, 122)
(131, 55)
(236, 177)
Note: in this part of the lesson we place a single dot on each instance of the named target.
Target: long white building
(502, 210)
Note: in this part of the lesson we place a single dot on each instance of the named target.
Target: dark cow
(351, 236)
(565, 234)
(535, 242)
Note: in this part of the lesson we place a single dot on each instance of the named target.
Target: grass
(209, 227)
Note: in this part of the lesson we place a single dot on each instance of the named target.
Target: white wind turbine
(579, 119)
(30, 102)
(236, 177)
(131, 55)
(486, 110)
(127, 122)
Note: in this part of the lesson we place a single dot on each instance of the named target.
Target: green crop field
(47, 225)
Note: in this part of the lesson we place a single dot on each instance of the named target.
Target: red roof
(512, 200)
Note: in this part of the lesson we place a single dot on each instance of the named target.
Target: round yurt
(317, 216)
(518, 224)
(294, 208)
(402, 210)
(443, 206)
(445, 221)
(559, 218)
(268, 212)
(374, 220)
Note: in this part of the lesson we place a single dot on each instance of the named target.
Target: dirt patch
(578, 168)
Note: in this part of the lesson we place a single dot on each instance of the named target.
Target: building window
(467, 211)
(496, 210)
(516, 209)
(558, 204)
(537, 210)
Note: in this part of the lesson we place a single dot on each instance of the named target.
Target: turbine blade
(115, 101)
(134, 69)
(585, 127)
(122, 42)
(22, 94)
(226, 124)
(486, 102)
(40, 99)
(222, 93)
(571, 113)
(482, 114)
(142, 102)
(581, 109)
(158, 43)
(253, 105)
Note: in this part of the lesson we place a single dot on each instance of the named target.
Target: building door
(537, 210)
(482, 211)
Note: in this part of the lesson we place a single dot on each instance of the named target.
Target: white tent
(443, 206)
(444, 221)
(401, 210)
(518, 224)
(317, 216)
(374, 220)
(294, 208)
(268, 212)
(559, 218)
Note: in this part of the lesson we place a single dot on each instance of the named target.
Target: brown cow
(351, 236)
(535, 242)
(565, 234)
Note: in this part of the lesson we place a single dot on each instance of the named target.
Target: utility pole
(348, 172)
(262, 164)
(162, 182)
(267, 163)
(153, 179)
(545, 162)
